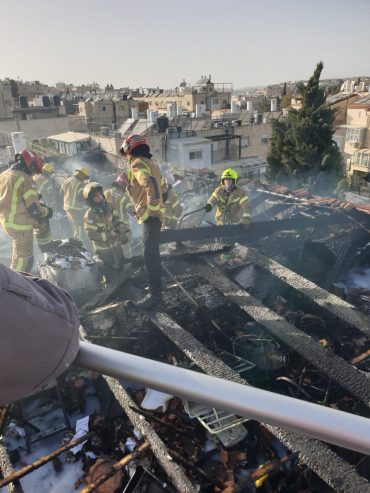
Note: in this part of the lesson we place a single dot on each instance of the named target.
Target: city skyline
(159, 44)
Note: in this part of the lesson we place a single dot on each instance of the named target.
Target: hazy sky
(160, 42)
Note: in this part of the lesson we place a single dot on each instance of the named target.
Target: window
(104, 108)
(194, 155)
(353, 135)
(265, 139)
(244, 142)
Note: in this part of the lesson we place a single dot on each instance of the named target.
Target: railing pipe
(330, 425)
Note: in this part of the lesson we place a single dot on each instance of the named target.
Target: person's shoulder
(241, 192)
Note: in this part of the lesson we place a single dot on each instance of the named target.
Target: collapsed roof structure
(261, 307)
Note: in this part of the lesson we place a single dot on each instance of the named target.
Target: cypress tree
(302, 152)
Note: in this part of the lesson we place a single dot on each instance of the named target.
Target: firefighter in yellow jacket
(117, 197)
(173, 208)
(47, 187)
(21, 212)
(104, 228)
(145, 187)
(74, 203)
(230, 201)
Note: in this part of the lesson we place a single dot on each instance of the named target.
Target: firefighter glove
(47, 212)
(208, 207)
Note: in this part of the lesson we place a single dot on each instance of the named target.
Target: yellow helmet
(230, 174)
(48, 168)
(82, 171)
(92, 185)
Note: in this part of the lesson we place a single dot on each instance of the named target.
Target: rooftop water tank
(162, 123)
(46, 101)
(56, 100)
(23, 101)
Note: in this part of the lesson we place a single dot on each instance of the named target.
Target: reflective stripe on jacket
(72, 189)
(120, 201)
(231, 207)
(146, 186)
(99, 227)
(48, 188)
(18, 192)
(173, 207)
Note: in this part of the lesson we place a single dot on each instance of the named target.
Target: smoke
(358, 279)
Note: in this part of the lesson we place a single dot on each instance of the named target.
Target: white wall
(178, 153)
(43, 128)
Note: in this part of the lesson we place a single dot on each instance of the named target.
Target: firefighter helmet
(48, 168)
(230, 174)
(31, 160)
(129, 144)
(84, 172)
(91, 187)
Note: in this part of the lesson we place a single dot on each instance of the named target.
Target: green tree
(302, 151)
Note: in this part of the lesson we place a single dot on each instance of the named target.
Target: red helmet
(129, 144)
(31, 160)
(121, 180)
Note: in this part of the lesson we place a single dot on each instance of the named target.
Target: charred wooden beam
(315, 454)
(344, 311)
(256, 231)
(333, 366)
(15, 476)
(174, 471)
(115, 468)
(6, 468)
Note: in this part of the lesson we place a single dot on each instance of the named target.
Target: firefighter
(173, 208)
(39, 333)
(74, 204)
(21, 212)
(145, 187)
(104, 228)
(119, 200)
(230, 201)
(47, 186)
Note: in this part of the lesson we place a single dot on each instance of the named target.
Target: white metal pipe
(330, 425)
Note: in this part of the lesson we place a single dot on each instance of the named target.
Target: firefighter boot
(150, 302)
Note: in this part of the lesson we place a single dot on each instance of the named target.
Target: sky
(148, 43)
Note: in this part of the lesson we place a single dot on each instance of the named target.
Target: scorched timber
(333, 366)
(333, 304)
(315, 454)
(174, 471)
(256, 231)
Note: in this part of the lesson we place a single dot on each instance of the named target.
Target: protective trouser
(112, 261)
(22, 256)
(127, 251)
(76, 220)
(152, 259)
(43, 234)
